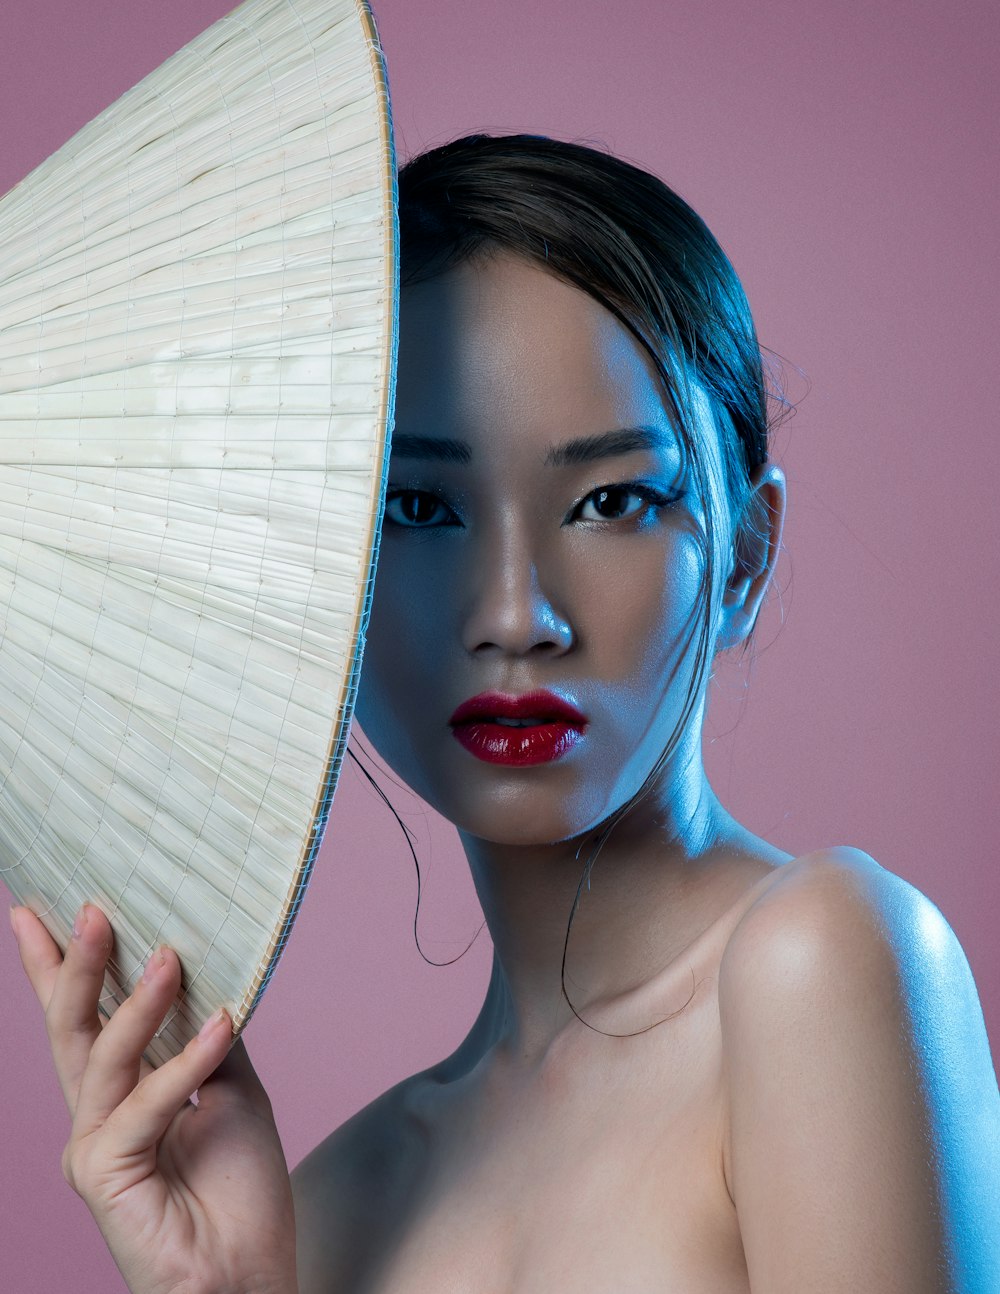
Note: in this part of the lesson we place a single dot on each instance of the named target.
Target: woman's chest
(530, 1187)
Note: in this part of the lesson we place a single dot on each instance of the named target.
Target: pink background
(845, 156)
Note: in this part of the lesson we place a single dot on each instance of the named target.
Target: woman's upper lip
(541, 704)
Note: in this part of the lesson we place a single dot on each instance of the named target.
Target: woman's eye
(414, 508)
(610, 502)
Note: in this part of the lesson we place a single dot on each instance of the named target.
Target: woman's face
(504, 567)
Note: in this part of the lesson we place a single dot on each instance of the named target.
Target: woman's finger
(114, 1064)
(68, 988)
(72, 1018)
(143, 1117)
(40, 955)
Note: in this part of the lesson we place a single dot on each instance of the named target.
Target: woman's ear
(756, 548)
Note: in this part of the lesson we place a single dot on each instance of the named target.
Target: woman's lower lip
(499, 743)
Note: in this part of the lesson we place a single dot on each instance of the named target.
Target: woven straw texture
(197, 355)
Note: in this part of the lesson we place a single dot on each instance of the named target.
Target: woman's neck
(661, 871)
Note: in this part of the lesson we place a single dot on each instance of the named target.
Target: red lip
(561, 726)
(540, 704)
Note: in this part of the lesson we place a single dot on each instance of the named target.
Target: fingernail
(211, 1024)
(80, 922)
(13, 919)
(154, 965)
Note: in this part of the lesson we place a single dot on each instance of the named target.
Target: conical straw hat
(197, 354)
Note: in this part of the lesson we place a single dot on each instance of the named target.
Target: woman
(701, 1064)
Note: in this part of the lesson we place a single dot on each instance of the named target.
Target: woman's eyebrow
(582, 449)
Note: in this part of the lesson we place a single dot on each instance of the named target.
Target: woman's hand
(189, 1198)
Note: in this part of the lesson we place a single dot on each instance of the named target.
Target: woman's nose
(509, 607)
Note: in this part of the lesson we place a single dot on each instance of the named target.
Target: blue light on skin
(532, 584)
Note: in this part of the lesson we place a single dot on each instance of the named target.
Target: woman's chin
(531, 814)
(521, 825)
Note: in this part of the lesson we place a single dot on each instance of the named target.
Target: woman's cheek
(391, 707)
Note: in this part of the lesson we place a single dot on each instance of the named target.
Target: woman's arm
(863, 1114)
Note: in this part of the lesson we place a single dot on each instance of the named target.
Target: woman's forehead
(506, 341)
(500, 356)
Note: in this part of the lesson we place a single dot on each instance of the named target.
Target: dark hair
(625, 238)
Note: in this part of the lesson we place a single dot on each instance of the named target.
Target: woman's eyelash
(650, 495)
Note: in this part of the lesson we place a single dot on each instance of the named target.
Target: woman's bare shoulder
(857, 1061)
(828, 884)
(336, 1185)
(837, 911)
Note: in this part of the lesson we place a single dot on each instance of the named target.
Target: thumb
(234, 1076)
